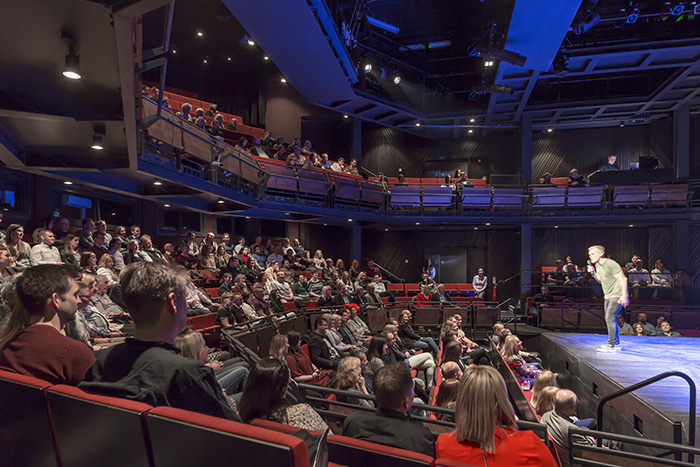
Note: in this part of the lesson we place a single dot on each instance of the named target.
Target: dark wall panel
(548, 245)
(387, 149)
(329, 133)
(335, 242)
(694, 146)
(660, 247)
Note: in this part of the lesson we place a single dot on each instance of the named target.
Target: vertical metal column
(681, 140)
(526, 149)
(525, 261)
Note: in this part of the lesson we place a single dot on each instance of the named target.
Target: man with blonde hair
(614, 283)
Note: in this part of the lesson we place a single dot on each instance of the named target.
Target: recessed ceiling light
(476, 228)
(417, 223)
(397, 80)
(345, 116)
(251, 42)
(67, 182)
(174, 51)
(488, 223)
(221, 201)
(349, 220)
(157, 182)
(283, 80)
(166, 205)
(205, 61)
(386, 230)
(266, 57)
(470, 131)
(325, 224)
(200, 34)
(556, 226)
(549, 130)
(286, 213)
(247, 217)
(472, 120)
(229, 59)
(631, 225)
(417, 123)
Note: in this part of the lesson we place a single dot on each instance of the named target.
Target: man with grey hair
(148, 367)
(558, 422)
(153, 252)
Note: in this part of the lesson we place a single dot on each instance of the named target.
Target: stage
(651, 410)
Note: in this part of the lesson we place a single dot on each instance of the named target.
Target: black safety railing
(595, 455)
(580, 310)
(691, 402)
(335, 190)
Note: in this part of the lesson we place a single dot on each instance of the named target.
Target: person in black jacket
(439, 297)
(413, 340)
(327, 298)
(323, 355)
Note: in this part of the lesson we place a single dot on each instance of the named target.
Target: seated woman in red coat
(424, 297)
(300, 366)
(485, 430)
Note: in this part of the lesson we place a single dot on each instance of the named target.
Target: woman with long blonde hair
(511, 354)
(485, 430)
(350, 379)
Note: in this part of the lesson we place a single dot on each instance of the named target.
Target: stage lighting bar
(382, 25)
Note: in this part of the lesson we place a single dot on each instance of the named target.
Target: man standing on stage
(614, 283)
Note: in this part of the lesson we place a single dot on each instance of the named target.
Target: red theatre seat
(24, 411)
(110, 421)
(180, 437)
(358, 453)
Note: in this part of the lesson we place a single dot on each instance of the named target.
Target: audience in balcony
(339, 165)
(429, 269)
(547, 180)
(265, 396)
(211, 111)
(233, 124)
(639, 280)
(352, 168)
(448, 183)
(393, 388)
(662, 281)
(200, 122)
(215, 130)
(295, 159)
(401, 181)
(496, 441)
(666, 330)
(575, 179)
(184, 112)
(427, 281)
(198, 113)
(611, 165)
(424, 298)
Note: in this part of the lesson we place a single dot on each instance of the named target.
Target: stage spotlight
(549, 130)
(221, 201)
(251, 42)
(97, 143)
(166, 205)
(71, 68)
(397, 80)
(472, 120)
(67, 182)
(417, 123)
(368, 68)
(266, 57)
(157, 182)
(488, 63)
(283, 80)
(632, 11)
(470, 131)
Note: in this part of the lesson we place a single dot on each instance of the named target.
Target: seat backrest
(358, 453)
(218, 441)
(108, 420)
(24, 410)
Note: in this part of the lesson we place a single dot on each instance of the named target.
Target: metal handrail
(579, 308)
(600, 435)
(389, 273)
(691, 404)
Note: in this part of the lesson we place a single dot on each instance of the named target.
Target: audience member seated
(206, 260)
(350, 379)
(18, 247)
(233, 125)
(32, 343)
(323, 354)
(625, 328)
(150, 250)
(666, 330)
(557, 276)
(389, 425)
(300, 366)
(103, 302)
(539, 302)
(480, 282)
(358, 327)
(60, 231)
(134, 253)
(497, 328)
(511, 354)
(575, 179)
(232, 380)
(662, 281)
(230, 312)
(345, 332)
(546, 400)
(631, 264)
(184, 112)
(211, 111)
(115, 252)
(45, 252)
(495, 439)
(338, 166)
(446, 398)
(88, 262)
(295, 159)
(333, 333)
(85, 234)
(639, 330)
(411, 338)
(421, 361)
(439, 297)
(99, 246)
(558, 422)
(198, 303)
(547, 179)
(148, 368)
(424, 298)
(455, 324)
(639, 280)
(543, 380)
(352, 168)
(376, 351)
(452, 352)
(7, 263)
(425, 280)
(265, 396)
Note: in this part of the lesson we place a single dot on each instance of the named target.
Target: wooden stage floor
(640, 359)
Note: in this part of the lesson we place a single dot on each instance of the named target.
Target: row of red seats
(44, 424)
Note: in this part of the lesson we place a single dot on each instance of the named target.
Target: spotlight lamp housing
(71, 67)
(97, 143)
(397, 80)
(368, 68)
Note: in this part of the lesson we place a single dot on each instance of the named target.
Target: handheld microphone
(589, 263)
